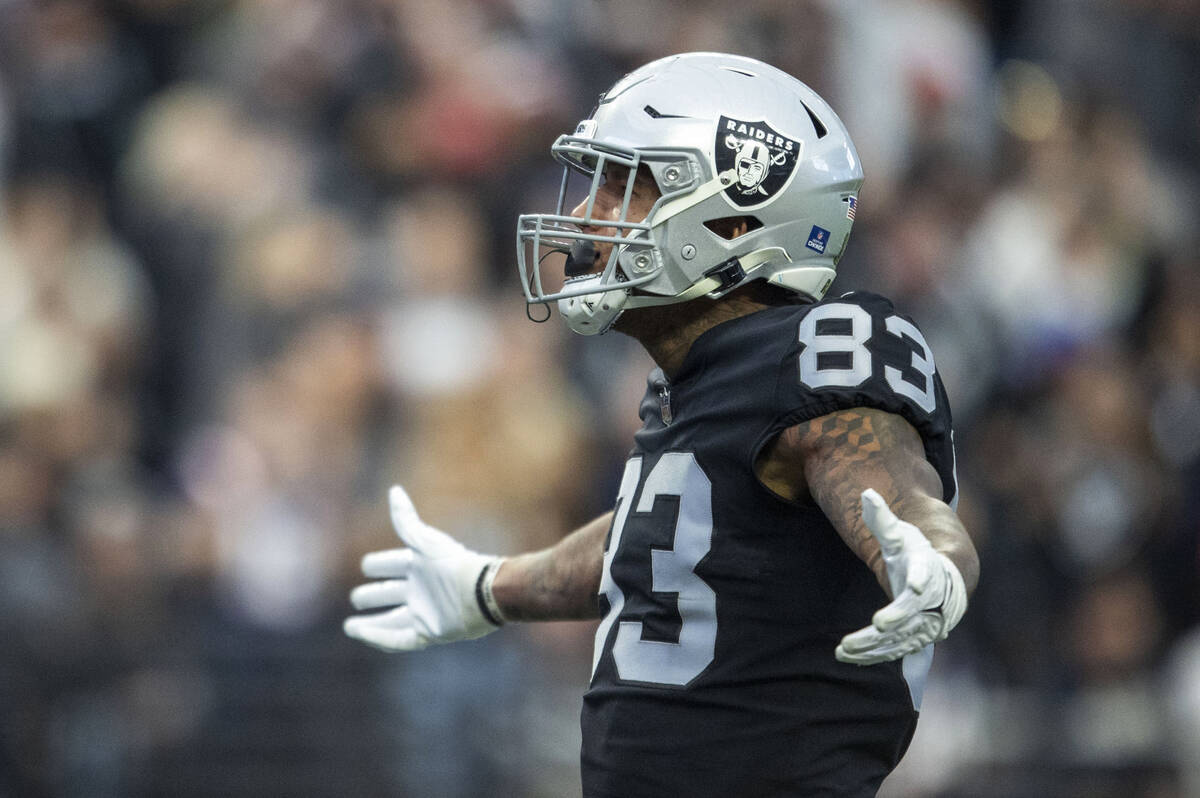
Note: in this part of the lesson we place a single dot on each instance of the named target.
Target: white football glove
(930, 596)
(440, 590)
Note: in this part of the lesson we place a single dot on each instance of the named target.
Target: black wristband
(481, 589)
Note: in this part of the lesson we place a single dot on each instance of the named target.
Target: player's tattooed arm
(834, 458)
(556, 584)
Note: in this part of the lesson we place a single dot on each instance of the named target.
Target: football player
(783, 551)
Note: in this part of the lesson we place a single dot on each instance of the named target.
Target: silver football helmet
(723, 136)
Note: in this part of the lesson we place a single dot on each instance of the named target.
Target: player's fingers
(395, 563)
(404, 517)
(901, 647)
(871, 637)
(380, 594)
(852, 656)
(412, 530)
(840, 654)
(919, 630)
(869, 646)
(389, 631)
(868, 657)
(882, 653)
(905, 607)
(862, 640)
(882, 522)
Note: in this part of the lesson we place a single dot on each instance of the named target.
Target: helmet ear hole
(731, 227)
(818, 127)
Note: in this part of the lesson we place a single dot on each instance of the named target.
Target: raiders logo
(755, 160)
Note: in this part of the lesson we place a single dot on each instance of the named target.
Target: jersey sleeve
(857, 351)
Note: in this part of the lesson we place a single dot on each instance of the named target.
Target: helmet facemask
(549, 245)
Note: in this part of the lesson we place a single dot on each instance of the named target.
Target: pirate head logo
(754, 160)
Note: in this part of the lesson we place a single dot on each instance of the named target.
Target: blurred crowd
(257, 264)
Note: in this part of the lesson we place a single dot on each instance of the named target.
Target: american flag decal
(851, 207)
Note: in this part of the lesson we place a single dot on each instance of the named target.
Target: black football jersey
(714, 670)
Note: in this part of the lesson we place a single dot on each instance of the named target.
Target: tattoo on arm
(843, 453)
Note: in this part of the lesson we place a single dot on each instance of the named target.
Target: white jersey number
(840, 331)
(672, 571)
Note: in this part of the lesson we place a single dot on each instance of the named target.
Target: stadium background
(256, 263)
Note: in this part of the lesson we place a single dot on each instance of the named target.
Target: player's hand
(437, 588)
(930, 597)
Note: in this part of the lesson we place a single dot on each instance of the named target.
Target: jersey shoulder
(857, 350)
(870, 302)
(796, 362)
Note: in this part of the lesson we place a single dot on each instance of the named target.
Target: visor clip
(730, 273)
